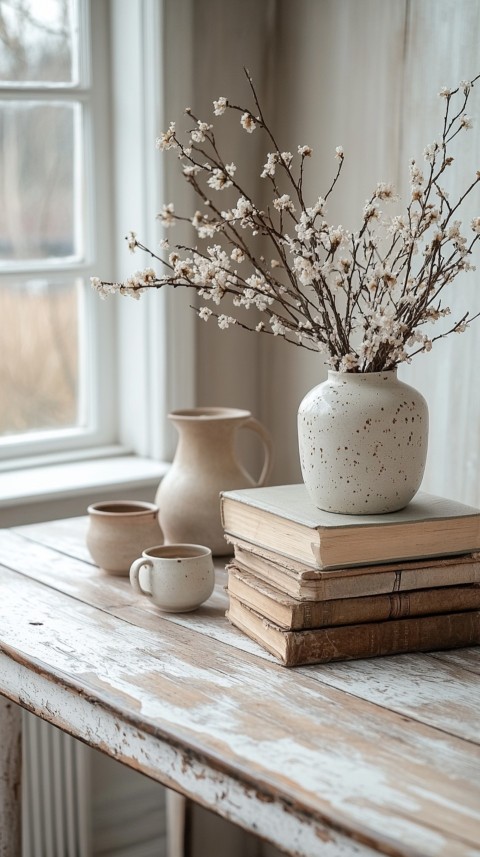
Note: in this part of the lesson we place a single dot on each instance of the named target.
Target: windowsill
(60, 490)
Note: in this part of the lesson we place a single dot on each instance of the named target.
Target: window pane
(36, 41)
(39, 373)
(38, 187)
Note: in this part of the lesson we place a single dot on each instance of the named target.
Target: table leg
(177, 824)
(10, 778)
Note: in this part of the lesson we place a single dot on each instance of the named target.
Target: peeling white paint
(382, 752)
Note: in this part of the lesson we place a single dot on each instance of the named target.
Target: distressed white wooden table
(361, 758)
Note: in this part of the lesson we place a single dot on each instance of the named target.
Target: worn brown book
(309, 584)
(283, 519)
(348, 642)
(291, 614)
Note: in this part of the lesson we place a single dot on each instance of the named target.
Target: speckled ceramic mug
(178, 578)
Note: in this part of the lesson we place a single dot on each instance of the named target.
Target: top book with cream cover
(283, 519)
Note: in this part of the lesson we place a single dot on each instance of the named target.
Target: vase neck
(362, 377)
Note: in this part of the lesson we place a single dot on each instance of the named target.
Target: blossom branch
(362, 299)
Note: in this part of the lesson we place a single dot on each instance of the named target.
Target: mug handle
(266, 438)
(135, 571)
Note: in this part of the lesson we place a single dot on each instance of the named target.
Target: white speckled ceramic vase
(363, 442)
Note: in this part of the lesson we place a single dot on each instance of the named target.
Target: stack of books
(313, 586)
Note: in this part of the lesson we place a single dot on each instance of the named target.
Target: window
(53, 228)
(78, 373)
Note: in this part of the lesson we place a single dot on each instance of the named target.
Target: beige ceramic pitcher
(205, 464)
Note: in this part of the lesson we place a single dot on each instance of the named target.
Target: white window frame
(142, 353)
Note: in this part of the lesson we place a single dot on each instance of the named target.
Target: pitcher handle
(266, 439)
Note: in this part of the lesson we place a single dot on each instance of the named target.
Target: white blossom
(167, 139)
(190, 170)
(270, 166)
(132, 241)
(305, 270)
(475, 224)
(389, 278)
(465, 121)
(416, 175)
(167, 215)
(219, 179)
(304, 151)
(243, 209)
(247, 121)
(263, 301)
(183, 269)
(205, 228)
(335, 236)
(148, 276)
(286, 158)
(339, 153)
(237, 255)
(304, 229)
(384, 190)
(204, 313)
(370, 211)
(430, 152)
(316, 209)
(453, 233)
(224, 321)
(99, 286)
(348, 362)
(284, 203)
(199, 133)
(278, 328)
(247, 298)
(220, 106)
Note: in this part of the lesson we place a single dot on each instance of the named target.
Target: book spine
(292, 614)
(379, 608)
(398, 636)
(332, 585)
(348, 642)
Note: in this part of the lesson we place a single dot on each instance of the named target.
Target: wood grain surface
(372, 757)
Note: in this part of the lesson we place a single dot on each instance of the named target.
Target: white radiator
(55, 782)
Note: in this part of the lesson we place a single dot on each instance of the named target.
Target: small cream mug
(178, 578)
